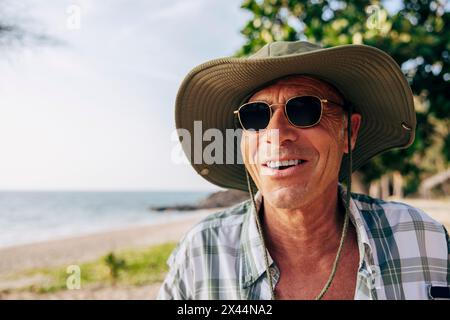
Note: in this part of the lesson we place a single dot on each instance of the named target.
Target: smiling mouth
(282, 165)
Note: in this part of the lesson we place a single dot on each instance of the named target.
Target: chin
(289, 197)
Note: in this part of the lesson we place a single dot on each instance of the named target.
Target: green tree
(417, 36)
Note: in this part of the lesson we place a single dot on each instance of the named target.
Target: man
(302, 236)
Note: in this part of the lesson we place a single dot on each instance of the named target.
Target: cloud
(98, 113)
(178, 9)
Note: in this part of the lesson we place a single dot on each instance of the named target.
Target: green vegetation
(115, 265)
(133, 267)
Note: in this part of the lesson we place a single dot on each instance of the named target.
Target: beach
(76, 250)
(83, 248)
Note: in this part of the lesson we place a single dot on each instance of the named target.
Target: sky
(96, 111)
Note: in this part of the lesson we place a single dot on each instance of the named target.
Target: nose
(278, 121)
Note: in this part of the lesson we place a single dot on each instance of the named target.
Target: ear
(356, 123)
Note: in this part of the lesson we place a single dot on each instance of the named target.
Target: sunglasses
(301, 112)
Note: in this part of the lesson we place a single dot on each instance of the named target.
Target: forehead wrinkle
(280, 94)
(288, 89)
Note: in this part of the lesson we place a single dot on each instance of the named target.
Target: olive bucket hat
(368, 78)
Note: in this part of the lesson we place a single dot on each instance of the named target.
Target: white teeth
(272, 164)
(277, 164)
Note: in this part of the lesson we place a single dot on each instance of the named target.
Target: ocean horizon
(34, 216)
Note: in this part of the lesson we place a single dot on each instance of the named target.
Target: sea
(28, 216)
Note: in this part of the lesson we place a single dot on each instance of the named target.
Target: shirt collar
(365, 248)
(252, 248)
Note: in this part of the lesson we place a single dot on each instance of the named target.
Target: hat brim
(367, 77)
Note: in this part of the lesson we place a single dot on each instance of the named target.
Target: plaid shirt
(402, 252)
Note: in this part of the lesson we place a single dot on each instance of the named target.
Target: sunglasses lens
(254, 116)
(304, 111)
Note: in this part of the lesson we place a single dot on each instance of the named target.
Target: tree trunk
(398, 185)
(374, 189)
(384, 181)
(432, 182)
(358, 185)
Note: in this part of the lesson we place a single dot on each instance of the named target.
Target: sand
(75, 250)
(79, 249)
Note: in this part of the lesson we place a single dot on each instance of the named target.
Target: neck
(312, 231)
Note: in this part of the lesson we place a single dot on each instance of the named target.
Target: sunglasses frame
(322, 102)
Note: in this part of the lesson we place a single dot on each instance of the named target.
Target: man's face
(320, 147)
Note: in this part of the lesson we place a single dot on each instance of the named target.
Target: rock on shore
(220, 199)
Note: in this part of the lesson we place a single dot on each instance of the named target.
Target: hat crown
(284, 48)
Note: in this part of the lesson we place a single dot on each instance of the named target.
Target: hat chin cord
(344, 228)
